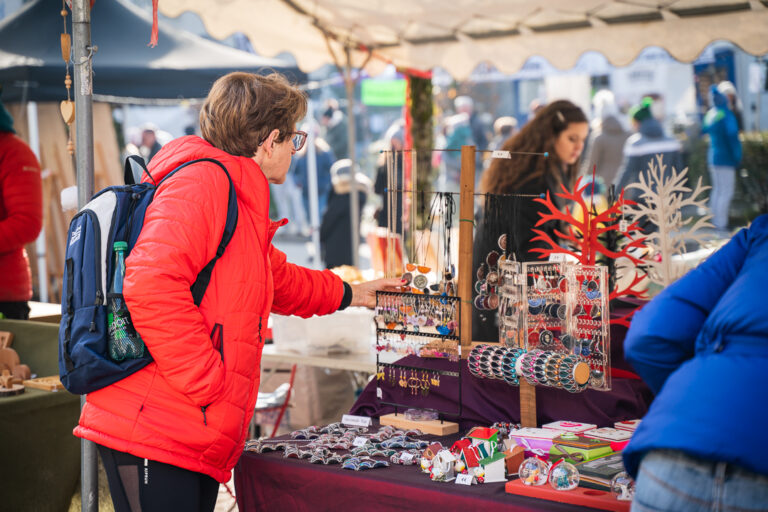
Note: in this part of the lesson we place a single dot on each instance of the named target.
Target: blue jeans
(671, 480)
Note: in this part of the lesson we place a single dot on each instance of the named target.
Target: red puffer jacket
(191, 407)
(21, 215)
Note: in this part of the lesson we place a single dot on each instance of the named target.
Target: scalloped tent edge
(423, 34)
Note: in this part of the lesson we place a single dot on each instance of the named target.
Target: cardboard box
(569, 426)
(536, 441)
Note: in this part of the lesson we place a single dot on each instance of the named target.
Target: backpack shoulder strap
(204, 277)
(132, 162)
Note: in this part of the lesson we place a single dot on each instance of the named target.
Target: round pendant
(581, 373)
(492, 259)
(502, 241)
(420, 281)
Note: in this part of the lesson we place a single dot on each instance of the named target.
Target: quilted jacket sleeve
(663, 334)
(189, 210)
(301, 291)
(21, 194)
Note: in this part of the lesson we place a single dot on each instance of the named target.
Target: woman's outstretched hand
(364, 294)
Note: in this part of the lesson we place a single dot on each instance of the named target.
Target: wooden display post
(465, 277)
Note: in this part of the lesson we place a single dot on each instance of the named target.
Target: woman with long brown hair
(544, 155)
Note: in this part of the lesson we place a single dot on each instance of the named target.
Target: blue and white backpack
(114, 214)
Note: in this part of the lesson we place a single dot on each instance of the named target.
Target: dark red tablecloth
(269, 482)
(486, 401)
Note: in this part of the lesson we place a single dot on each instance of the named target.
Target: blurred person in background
(503, 128)
(21, 218)
(727, 88)
(149, 143)
(325, 159)
(642, 147)
(723, 155)
(559, 129)
(336, 228)
(334, 124)
(605, 145)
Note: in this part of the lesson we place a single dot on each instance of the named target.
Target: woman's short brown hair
(243, 108)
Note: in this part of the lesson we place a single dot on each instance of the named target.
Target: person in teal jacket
(702, 347)
(723, 156)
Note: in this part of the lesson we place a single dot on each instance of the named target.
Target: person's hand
(364, 294)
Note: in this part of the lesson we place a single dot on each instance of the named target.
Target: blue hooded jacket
(702, 347)
(723, 130)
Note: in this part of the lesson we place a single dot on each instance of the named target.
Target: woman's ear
(269, 142)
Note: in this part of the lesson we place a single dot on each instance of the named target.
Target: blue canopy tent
(182, 66)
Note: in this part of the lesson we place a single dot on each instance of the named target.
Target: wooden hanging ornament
(67, 107)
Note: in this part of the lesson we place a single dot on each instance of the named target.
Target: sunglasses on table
(298, 139)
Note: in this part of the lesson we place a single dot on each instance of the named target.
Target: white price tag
(379, 394)
(356, 421)
(623, 225)
(464, 479)
(359, 441)
(501, 154)
(406, 457)
(557, 257)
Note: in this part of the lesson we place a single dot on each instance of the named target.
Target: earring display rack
(425, 326)
(567, 340)
(589, 321)
(511, 332)
(545, 316)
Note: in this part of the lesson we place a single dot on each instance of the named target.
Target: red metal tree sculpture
(584, 237)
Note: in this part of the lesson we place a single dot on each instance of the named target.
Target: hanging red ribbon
(155, 35)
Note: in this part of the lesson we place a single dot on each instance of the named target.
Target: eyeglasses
(297, 139)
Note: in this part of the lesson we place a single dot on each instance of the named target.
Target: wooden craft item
(21, 372)
(6, 339)
(8, 359)
(581, 496)
(435, 427)
(66, 45)
(7, 386)
(45, 383)
(67, 108)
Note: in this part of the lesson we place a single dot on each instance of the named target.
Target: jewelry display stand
(426, 325)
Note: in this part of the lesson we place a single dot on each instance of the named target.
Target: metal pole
(314, 212)
(34, 144)
(83, 52)
(354, 207)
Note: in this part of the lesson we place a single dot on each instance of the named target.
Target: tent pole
(83, 89)
(354, 207)
(34, 144)
(314, 199)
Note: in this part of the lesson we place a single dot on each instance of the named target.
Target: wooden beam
(466, 228)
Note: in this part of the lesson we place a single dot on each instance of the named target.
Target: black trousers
(142, 485)
(16, 310)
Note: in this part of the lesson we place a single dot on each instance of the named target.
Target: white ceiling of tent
(458, 34)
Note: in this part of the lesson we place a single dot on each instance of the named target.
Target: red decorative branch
(582, 236)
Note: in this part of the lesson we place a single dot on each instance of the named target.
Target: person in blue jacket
(702, 347)
(723, 156)
(642, 148)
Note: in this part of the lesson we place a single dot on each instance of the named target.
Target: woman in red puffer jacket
(170, 431)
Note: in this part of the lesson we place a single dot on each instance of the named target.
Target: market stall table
(354, 362)
(268, 481)
(41, 458)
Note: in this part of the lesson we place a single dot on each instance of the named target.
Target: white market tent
(458, 34)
